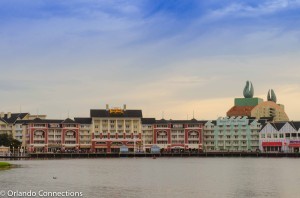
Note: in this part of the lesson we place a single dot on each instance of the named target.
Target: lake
(160, 177)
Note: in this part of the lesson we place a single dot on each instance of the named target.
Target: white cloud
(265, 7)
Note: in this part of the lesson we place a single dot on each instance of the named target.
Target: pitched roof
(240, 111)
(44, 121)
(23, 121)
(192, 121)
(296, 125)
(83, 120)
(279, 125)
(105, 113)
(148, 120)
(68, 121)
(13, 117)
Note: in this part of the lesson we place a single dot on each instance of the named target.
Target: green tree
(9, 141)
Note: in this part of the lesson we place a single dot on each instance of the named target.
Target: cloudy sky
(175, 56)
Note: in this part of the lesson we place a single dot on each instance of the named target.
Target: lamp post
(133, 143)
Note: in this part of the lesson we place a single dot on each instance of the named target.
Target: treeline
(9, 141)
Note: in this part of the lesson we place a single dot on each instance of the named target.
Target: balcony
(162, 139)
(70, 139)
(193, 138)
(38, 138)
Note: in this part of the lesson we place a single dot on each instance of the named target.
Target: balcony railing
(38, 138)
(70, 139)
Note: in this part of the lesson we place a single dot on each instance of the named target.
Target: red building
(178, 135)
(52, 135)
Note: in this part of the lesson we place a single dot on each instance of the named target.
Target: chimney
(107, 107)
(8, 114)
(2, 114)
(124, 107)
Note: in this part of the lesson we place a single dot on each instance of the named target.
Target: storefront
(294, 146)
(272, 146)
(123, 149)
(4, 151)
(155, 149)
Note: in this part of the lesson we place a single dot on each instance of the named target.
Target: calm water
(161, 177)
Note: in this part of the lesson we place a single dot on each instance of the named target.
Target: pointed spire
(248, 90)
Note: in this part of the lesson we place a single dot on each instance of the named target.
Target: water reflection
(163, 177)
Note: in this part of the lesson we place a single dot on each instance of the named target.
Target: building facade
(257, 107)
(12, 124)
(232, 134)
(178, 135)
(52, 135)
(147, 133)
(85, 134)
(113, 128)
(280, 137)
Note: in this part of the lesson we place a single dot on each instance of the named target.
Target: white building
(280, 137)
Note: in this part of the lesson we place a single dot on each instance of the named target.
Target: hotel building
(178, 134)
(280, 137)
(147, 133)
(232, 134)
(257, 107)
(85, 133)
(113, 128)
(44, 135)
(11, 124)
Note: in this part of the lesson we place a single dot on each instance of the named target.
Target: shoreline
(152, 155)
(5, 165)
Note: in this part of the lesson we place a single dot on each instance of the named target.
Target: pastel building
(178, 134)
(147, 133)
(232, 134)
(115, 127)
(45, 135)
(11, 124)
(280, 137)
(257, 107)
(85, 133)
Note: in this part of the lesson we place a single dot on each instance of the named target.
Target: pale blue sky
(156, 55)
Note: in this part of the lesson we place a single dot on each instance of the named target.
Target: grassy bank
(4, 165)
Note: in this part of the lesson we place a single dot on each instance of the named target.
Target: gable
(268, 128)
(2, 122)
(287, 128)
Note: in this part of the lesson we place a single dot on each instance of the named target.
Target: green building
(232, 134)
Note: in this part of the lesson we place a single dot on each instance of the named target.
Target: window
(275, 135)
(177, 125)
(287, 135)
(96, 126)
(280, 135)
(269, 135)
(263, 135)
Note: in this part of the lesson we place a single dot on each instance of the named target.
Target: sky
(168, 58)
